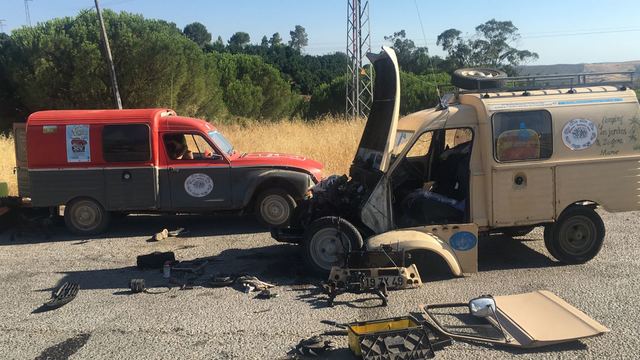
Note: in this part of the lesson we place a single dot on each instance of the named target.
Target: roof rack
(620, 79)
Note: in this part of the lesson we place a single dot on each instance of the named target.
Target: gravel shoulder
(105, 321)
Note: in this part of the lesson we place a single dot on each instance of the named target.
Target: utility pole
(26, 12)
(107, 52)
(359, 84)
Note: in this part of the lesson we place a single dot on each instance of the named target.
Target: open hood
(378, 138)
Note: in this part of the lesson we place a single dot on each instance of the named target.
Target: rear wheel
(274, 207)
(86, 216)
(326, 242)
(576, 237)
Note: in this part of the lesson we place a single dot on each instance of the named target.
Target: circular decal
(198, 185)
(463, 241)
(579, 134)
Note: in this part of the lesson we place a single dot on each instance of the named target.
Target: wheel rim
(274, 209)
(327, 247)
(86, 216)
(577, 236)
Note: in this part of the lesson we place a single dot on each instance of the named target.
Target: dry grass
(7, 163)
(331, 141)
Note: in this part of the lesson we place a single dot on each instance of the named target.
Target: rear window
(522, 135)
(126, 143)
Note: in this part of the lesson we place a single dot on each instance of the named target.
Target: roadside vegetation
(58, 64)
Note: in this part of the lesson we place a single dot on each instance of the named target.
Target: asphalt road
(106, 321)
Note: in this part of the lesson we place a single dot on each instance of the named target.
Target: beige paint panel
(614, 184)
(467, 259)
(529, 203)
(546, 318)
(408, 240)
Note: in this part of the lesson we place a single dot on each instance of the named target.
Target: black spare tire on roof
(478, 78)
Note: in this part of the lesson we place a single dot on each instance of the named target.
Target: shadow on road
(140, 225)
(499, 252)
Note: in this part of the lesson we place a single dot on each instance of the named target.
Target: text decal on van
(78, 143)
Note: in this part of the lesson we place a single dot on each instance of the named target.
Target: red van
(95, 162)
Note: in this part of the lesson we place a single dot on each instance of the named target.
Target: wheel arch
(417, 242)
(294, 183)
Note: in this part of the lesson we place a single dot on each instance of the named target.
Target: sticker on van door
(198, 185)
(78, 144)
(579, 134)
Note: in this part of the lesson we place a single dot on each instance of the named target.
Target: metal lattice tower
(27, 13)
(359, 84)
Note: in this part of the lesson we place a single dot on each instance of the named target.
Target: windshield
(221, 142)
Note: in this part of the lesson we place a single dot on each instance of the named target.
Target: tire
(576, 237)
(321, 243)
(274, 207)
(477, 78)
(519, 231)
(85, 216)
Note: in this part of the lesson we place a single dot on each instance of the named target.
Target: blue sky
(560, 31)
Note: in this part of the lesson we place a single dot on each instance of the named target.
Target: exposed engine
(334, 196)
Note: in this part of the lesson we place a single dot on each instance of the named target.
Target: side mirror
(483, 306)
(215, 157)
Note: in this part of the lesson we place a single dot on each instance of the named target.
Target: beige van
(507, 158)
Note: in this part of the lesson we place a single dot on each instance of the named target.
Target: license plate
(390, 281)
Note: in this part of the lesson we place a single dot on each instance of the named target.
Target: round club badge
(198, 185)
(579, 134)
(463, 241)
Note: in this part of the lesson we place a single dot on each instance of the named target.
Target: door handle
(173, 170)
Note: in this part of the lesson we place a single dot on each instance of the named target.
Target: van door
(22, 171)
(523, 191)
(130, 177)
(199, 176)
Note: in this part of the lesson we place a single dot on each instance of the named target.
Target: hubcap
(577, 236)
(327, 247)
(274, 209)
(86, 216)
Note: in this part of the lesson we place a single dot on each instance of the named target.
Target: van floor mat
(62, 296)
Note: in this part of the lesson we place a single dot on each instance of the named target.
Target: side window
(421, 146)
(126, 143)
(455, 137)
(523, 135)
(181, 146)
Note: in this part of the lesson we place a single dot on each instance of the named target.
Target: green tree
(58, 64)
(264, 42)
(492, 46)
(410, 57)
(299, 38)
(276, 40)
(198, 33)
(253, 88)
(239, 40)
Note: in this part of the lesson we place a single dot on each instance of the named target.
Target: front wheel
(326, 242)
(86, 216)
(576, 237)
(274, 207)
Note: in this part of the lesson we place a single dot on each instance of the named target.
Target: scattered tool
(62, 296)
(266, 294)
(313, 346)
(155, 260)
(136, 285)
(193, 267)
